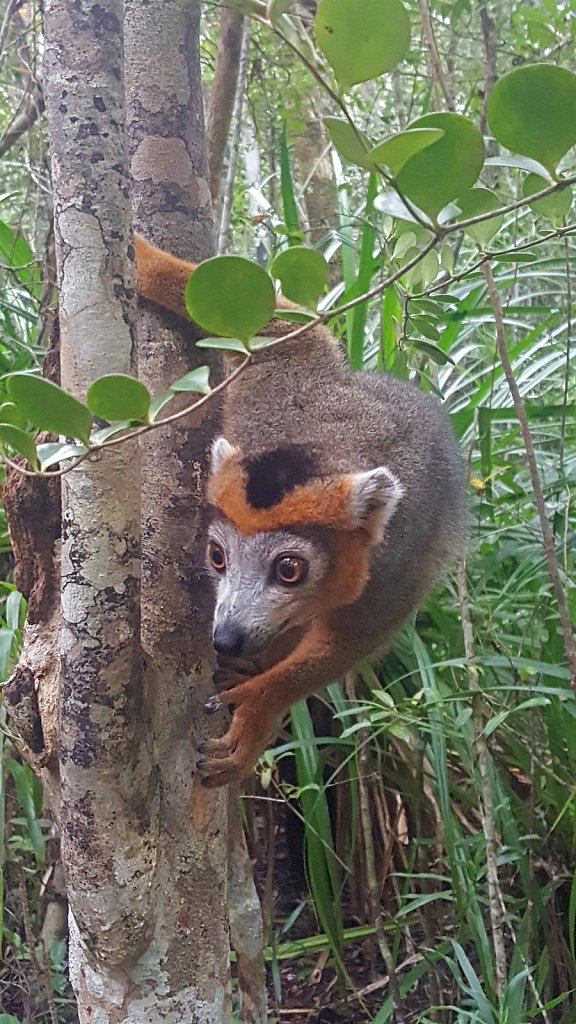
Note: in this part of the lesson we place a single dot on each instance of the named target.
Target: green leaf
(362, 39)
(289, 204)
(197, 380)
(100, 436)
(118, 397)
(480, 200)
(425, 325)
(275, 10)
(442, 172)
(9, 413)
(224, 344)
(303, 273)
(350, 142)
(20, 441)
(435, 353)
(48, 407)
(15, 251)
(516, 257)
(395, 151)
(555, 206)
(52, 453)
(230, 296)
(259, 342)
(158, 403)
(296, 316)
(532, 111)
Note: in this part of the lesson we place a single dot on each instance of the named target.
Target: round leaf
(51, 454)
(532, 111)
(230, 297)
(555, 206)
(442, 172)
(224, 344)
(197, 380)
(395, 151)
(118, 397)
(480, 200)
(48, 407)
(352, 144)
(303, 274)
(362, 39)
(9, 414)
(20, 441)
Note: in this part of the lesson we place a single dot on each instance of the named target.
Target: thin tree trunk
(173, 208)
(105, 773)
(224, 230)
(223, 93)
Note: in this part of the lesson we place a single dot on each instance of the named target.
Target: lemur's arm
(258, 703)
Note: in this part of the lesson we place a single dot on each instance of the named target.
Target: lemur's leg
(258, 702)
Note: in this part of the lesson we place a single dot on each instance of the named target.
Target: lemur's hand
(234, 755)
(233, 671)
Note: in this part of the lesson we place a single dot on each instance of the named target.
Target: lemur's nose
(229, 639)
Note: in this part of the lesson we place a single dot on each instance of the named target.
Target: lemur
(336, 497)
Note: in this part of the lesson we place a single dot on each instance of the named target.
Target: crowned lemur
(335, 499)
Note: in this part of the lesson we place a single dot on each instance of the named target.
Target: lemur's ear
(222, 450)
(374, 496)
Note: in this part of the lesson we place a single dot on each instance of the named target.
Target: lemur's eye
(216, 556)
(289, 570)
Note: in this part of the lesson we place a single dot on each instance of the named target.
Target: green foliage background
(438, 809)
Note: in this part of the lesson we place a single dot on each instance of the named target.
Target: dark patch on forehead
(272, 475)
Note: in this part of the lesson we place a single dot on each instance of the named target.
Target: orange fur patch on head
(350, 570)
(323, 502)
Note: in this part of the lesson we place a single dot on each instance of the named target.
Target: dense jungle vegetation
(413, 830)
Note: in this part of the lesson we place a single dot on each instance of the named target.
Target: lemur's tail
(161, 278)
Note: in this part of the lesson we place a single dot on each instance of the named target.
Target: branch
(225, 87)
(23, 122)
(547, 534)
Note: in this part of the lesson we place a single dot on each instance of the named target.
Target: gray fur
(299, 393)
(247, 598)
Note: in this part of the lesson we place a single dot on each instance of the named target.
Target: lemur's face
(266, 584)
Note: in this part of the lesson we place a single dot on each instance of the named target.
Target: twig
(495, 899)
(547, 534)
(4, 27)
(23, 122)
(97, 448)
(435, 64)
(488, 32)
(368, 843)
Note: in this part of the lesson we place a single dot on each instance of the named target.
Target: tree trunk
(223, 93)
(144, 847)
(173, 208)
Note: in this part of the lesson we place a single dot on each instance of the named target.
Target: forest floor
(307, 989)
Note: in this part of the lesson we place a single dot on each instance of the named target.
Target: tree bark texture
(104, 773)
(144, 845)
(173, 208)
(315, 170)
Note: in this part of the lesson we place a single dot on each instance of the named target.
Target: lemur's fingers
(243, 665)
(232, 671)
(233, 697)
(231, 757)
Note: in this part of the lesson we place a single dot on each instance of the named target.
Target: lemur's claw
(212, 704)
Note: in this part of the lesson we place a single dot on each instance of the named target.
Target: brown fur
(300, 394)
(323, 501)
